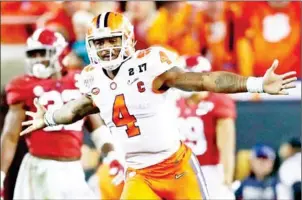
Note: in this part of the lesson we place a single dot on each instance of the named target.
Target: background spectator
(290, 170)
(270, 30)
(260, 184)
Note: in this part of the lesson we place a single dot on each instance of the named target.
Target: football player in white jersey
(128, 89)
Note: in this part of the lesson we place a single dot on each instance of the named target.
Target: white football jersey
(141, 120)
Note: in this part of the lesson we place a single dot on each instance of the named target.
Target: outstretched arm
(206, 81)
(67, 114)
(10, 136)
(226, 82)
(75, 110)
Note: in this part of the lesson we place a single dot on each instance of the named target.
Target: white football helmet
(107, 25)
(50, 45)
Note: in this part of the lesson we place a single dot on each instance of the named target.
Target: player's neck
(56, 76)
(111, 73)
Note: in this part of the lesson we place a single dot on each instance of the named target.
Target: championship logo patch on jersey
(88, 81)
(113, 85)
(84, 82)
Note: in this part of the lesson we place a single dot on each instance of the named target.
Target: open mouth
(106, 57)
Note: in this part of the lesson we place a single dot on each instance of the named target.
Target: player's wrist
(101, 136)
(49, 118)
(254, 84)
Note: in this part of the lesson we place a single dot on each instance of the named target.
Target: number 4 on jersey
(164, 58)
(122, 117)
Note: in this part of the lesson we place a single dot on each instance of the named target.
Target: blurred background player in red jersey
(52, 168)
(207, 126)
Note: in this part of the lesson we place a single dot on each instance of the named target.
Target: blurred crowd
(242, 37)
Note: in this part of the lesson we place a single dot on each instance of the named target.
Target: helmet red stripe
(47, 37)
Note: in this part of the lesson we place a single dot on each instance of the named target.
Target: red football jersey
(58, 141)
(198, 125)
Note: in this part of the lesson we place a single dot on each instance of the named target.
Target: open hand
(278, 84)
(37, 121)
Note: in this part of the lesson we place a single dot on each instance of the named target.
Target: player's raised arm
(226, 82)
(67, 114)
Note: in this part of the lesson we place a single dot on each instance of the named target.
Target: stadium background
(242, 37)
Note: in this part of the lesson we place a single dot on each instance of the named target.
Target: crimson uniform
(50, 178)
(51, 93)
(198, 130)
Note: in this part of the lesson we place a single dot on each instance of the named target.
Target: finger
(288, 86)
(283, 92)
(29, 113)
(289, 80)
(38, 105)
(288, 74)
(27, 130)
(26, 123)
(274, 65)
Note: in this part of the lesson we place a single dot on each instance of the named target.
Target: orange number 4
(122, 117)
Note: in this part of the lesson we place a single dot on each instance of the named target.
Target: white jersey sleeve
(85, 80)
(162, 60)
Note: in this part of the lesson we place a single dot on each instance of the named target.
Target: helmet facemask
(111, 61)
(41, 62)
